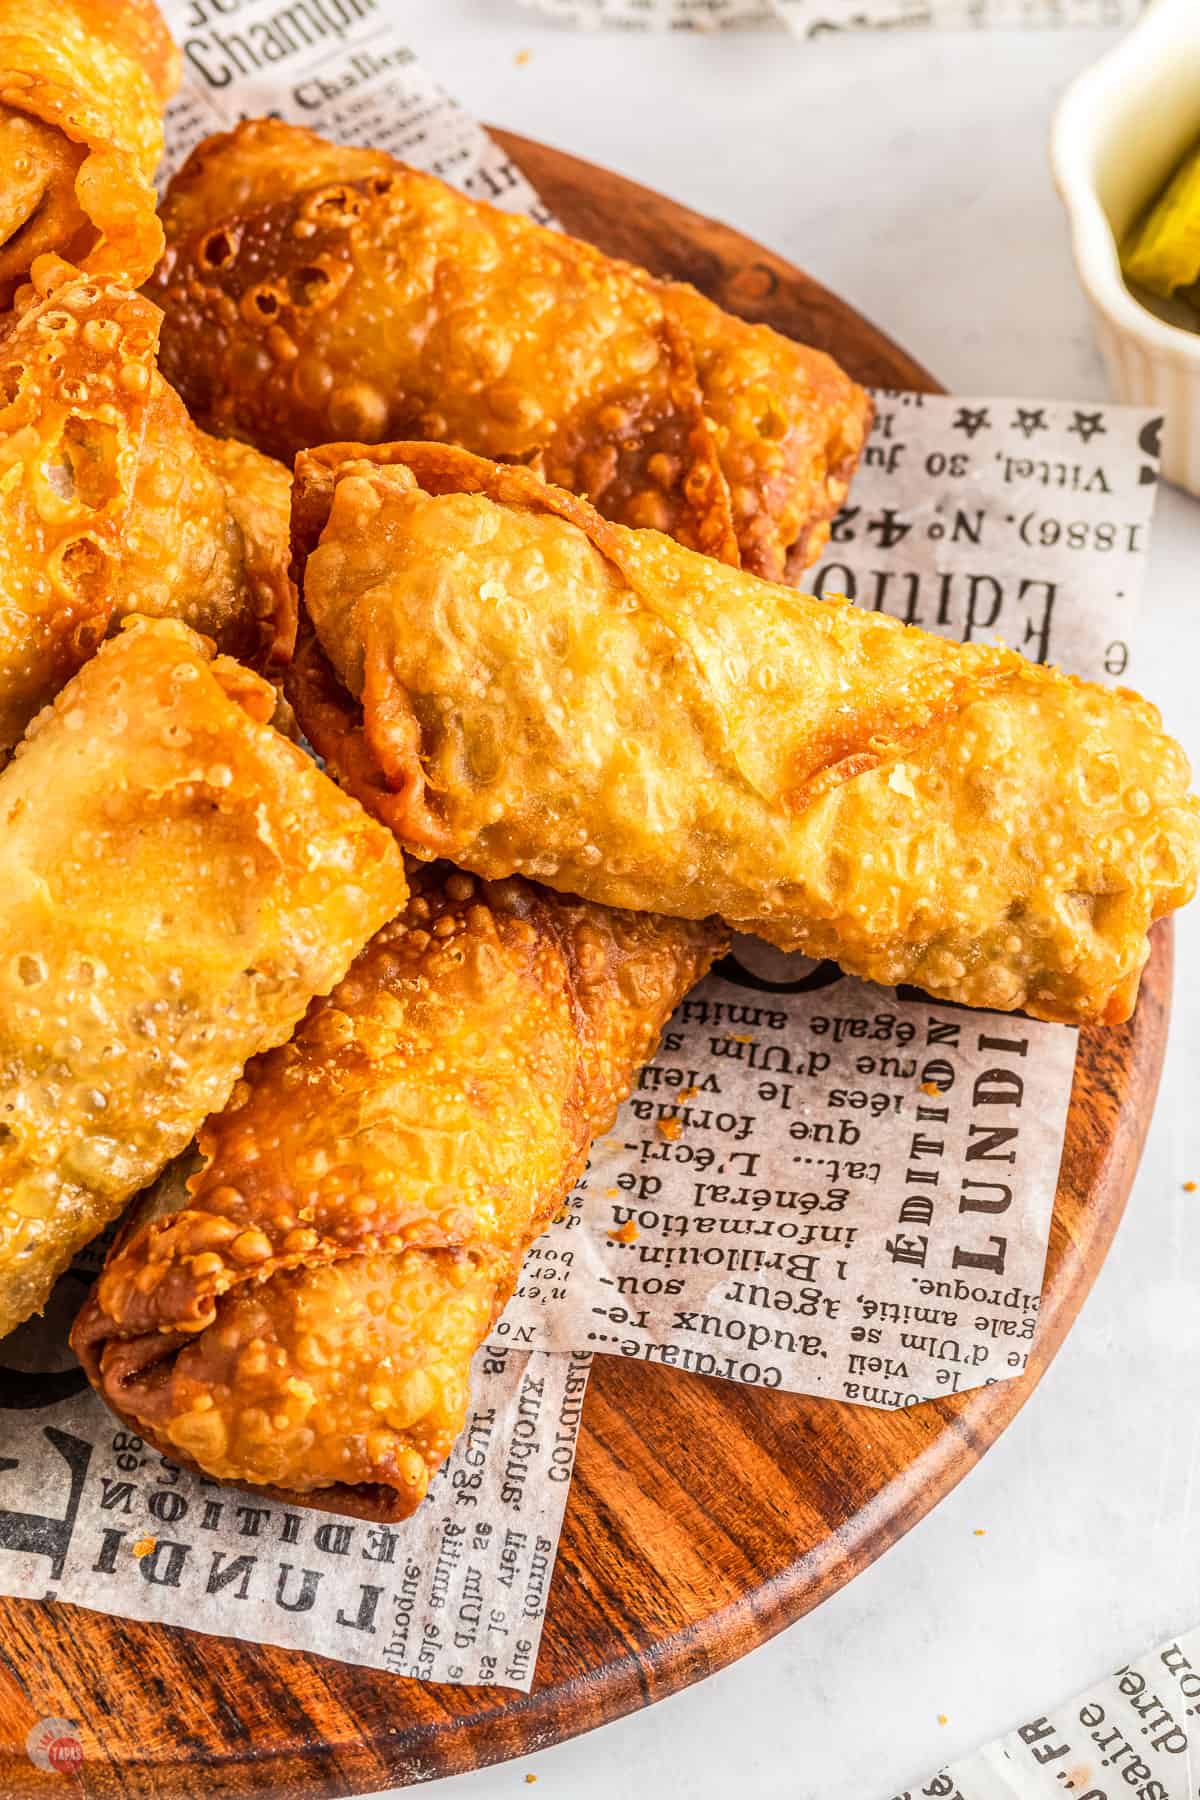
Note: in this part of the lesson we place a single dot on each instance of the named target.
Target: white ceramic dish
(1119, 132)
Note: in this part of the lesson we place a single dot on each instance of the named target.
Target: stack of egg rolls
(315, 292)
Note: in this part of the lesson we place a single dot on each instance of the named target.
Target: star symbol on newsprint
(971, 419)
(1087, 425)
(1030, 419)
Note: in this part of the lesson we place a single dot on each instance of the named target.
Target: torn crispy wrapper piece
(82, 88)
(111, 501)
(176, 882)
(549, 693)
(299, 1312)
(314, 292)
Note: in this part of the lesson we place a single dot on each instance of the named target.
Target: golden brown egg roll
(550, 694)
(111, 501)
(177, 881)
(315, 292)
(301, 1310)
(82, 88)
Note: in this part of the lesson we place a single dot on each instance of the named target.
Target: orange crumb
(610, 1194)
(979, 1531)
(521, 58)
(530, 1778)
(932, 1089)
(741, 1040)
(144, 1546)
(688, 1094)
(942, 1720)
(624, 1234)
(1189, 1187)
(671, 1129)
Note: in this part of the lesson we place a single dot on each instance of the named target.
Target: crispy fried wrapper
(82, 89)
(176, 882)
(297, 1307)
(111, 501)
(547, 693)
(316, 292)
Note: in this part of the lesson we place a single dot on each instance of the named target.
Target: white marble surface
(909, 172)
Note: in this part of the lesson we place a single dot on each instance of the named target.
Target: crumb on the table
(671, 1129)
(144, 1546)
(942, 1719)
(625, 1234)
(521, 58)
(611, 1194)
(932, 1089)
(1189, 1187)
(741, 1040)
(530, 1778)
(980, 1531)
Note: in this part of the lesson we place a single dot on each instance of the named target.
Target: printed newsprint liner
(1130, 1736)
(818, 1186)
(813, 18)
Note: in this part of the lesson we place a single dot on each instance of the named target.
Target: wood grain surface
(703, 1516)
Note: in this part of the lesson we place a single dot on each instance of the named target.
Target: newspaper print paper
(851, 1109)
(91, 1514)
(1131, 1735)
(341, 67)
(813, 18)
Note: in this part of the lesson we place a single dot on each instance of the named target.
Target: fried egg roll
(300, 1310)
(315, 292)
(111, 501)
(177, 881)
(550, 694)
(82, 89)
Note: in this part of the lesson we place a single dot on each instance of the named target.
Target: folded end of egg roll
(82, 88)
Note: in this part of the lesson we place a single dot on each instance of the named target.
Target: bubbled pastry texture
(111, 501)
(314, 292)
(176, 882)
(82, 88)
(301, 1311)
(601, 710)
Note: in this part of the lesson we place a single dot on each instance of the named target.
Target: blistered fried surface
(610, 714)
(315, 293)
(82, 88)
(304, 1312)
(790, 427)
(176, 882)
(111, 501)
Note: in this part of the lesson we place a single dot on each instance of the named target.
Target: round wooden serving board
(703, 1516)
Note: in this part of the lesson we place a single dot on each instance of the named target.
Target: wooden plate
(703, 1516)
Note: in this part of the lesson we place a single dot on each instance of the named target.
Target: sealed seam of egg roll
(82, 89)
(314, 291)
(602, 710)
(191, 883)
(300, 1313)
(111, 500)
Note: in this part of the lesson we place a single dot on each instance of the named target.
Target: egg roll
(177, 881)
(316, 292)
(297, 1309)
(111, 501)
(550, 694)
(82, 89)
